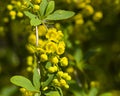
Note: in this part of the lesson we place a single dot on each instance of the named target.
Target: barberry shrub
(47, 47)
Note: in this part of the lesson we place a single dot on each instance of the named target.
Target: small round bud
(9, 7)
(37, 1)
(36, 7)
(29, 69)
(62, 82)
(20, 14)
(64, 61)
(18, 3)
(66, 86)
(44, 57)
(97, 16)
(29, 60)
(51, 69)
(60, 73)
(54, 60)
(55, 68)
(12, 13)
(56, 82)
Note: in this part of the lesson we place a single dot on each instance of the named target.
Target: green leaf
(78, 55)
(35, 21)
(106, 94)
(60, 14)
(93, 92)
(43, 6)
(48, 81)
(29, 14)
(60, 91)
(36, 79)
(48, 64)
(52, 93)
(50, 7)
(79, 93)
(23, 82)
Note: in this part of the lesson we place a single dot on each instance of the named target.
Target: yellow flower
(42, 30)
(45, 88)
(66, 76)
(29, 69)
(56, 82)
(51, 47)
(37, 1)
(18, 3)
(12, 13)
(36, 7)
(52, 34)
(32, 39)
(88, 10)
(41, 43)
(22, 89)
(62, 82)
(52, 69)
(41, 50)
(64, 61)
(66, 86)
(30, 48)
(55, 68)
(97, 16)
(60, 48)
(62, 43)
(44, 57)
(29, 60)
(20, 14)
(81, 4)
(54, 60)
(60, 73)
(70, 69)
(26, 92)
(59, 35)
(9, 7)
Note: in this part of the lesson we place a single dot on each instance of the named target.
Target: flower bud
(64, 61)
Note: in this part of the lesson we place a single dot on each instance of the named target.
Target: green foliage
(78, 55)
(35, 21)
(46, 9)
(106, 94)
(52, 93)
(43, 6)
(60, 15)
(92, 38)
(23, 82)
(48, 81)
(36, 78)
(93, 92)
(50, 8)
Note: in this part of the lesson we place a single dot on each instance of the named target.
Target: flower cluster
(16, 8)
(51, 47)
(86, 10)
(25, 92)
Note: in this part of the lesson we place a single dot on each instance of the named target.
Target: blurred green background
(92, 37)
